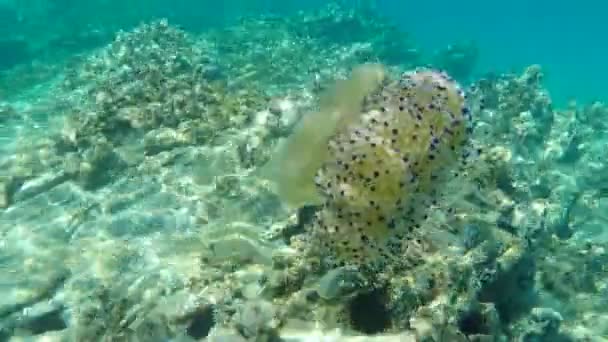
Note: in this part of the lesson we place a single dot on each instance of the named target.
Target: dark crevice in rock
(368, 312)
(201, 323)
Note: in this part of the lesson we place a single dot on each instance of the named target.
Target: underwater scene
(302, 171)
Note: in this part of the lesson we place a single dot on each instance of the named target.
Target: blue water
(568, 38)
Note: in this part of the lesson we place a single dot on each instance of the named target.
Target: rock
(339, 283)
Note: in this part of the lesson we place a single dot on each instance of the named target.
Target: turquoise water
(248, 170)
(567, 38)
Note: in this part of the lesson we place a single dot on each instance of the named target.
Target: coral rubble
(137, 212)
